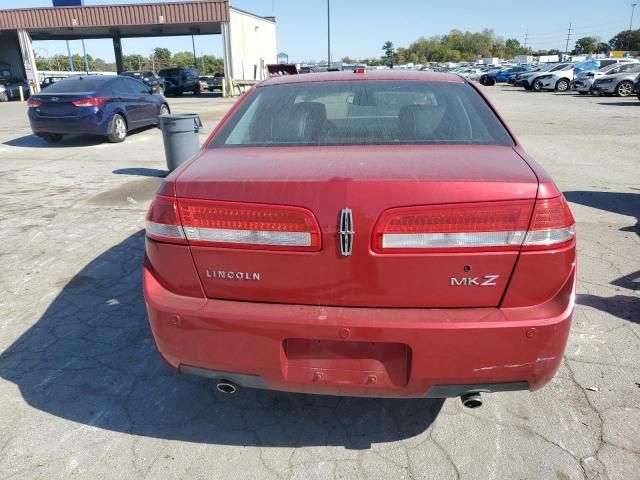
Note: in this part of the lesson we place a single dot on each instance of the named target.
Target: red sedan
(378, 234)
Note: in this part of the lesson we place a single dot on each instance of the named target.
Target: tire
(483, 80)
(563, 85)
(4, 97)
(490, 82)
(117, 129)
(526, 86)
(164, 109)
(582, 92)
(537, 85)
(52, 137)
(624, 89)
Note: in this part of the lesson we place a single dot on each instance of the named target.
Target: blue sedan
(94, 104)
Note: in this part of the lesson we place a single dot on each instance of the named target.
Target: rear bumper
(377, 352)
(94, 123)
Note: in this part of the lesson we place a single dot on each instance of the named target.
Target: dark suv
(149, 78)
(180, 80)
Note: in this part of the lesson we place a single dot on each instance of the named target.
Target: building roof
(126, 20)
(410, 75)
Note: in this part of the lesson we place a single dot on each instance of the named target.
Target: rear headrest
(304, 122)
(420, 122)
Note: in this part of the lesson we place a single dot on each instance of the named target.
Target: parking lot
(83, 393)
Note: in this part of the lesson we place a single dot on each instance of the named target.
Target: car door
(137, 101)
(147, 106)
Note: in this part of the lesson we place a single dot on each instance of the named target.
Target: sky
(359, 27)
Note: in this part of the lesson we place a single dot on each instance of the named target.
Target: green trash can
(180, 136)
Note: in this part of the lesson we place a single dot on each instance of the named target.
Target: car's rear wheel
(117, 129)
(490, 82)
(52, 137)
(624, 89)
(537, 85)
(563, 85)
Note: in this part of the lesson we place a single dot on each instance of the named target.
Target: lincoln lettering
(230, 275)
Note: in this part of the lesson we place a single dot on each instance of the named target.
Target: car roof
(398, 75)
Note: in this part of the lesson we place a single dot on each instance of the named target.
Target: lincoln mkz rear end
(368, 234)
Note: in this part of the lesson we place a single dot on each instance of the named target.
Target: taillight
(249, 225)
(90, 102)
(455, 227)
(162, 221)
(552, 225)
(34, 102)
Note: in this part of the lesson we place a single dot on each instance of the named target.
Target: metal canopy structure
(253, 42)
(105, 21)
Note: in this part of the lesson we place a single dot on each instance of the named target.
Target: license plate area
(360, 364)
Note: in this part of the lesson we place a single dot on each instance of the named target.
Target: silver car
(584, 80)
(620, 84)
(535, 81)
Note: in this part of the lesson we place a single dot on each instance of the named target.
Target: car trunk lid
(367, 180)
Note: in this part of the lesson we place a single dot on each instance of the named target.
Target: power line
(566, 49)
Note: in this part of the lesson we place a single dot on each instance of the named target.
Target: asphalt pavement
(83, 393)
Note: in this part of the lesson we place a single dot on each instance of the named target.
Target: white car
(528, 79)
(583, 81)
(559, 80)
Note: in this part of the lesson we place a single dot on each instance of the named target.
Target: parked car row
(606, 76)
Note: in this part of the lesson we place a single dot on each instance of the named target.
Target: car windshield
(77, 85)
(363, 113)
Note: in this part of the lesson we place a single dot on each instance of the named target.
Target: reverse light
(456, 227)
(552, 225)
(90, 102)
(162, 222)
(34, 102)
(249, 225)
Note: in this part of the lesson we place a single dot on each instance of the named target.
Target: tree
(413, 58)
(135, 62)
(401, 56)
(161, 57)
(585, 45)
(389, 52)
(348, 60)
(626, 40)
(183, 60)
(602, 47)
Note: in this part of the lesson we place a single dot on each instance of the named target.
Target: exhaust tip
(224, 386)
(471, 400)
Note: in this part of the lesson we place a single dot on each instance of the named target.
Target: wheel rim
(121, 129)
(537, 85)
(562, 86)
(163, 110)
(624, 90)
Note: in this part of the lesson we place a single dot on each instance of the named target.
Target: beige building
(253, 44)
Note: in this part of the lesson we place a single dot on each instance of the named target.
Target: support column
(117, 50)
(227, 58)
(28, 59)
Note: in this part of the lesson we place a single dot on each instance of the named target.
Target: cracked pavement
(83, 393)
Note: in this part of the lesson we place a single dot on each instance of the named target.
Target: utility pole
(566, 48)
(328, 34)
(633, 7)
(70, 58)
(526, 38)
(84, 53)
(195, 58)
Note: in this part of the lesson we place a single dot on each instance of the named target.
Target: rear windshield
(77, 85)
(171, 72)
(363, 113)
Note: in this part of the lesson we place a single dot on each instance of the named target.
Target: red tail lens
(90, 102)
(248, 225)
(495, 225)
(34, 102)
(552, 225)
(162, 221)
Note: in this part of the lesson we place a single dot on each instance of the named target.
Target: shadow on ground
(631, 102)
(90, 359)
(142, 172)
(626, 307)
(72, 140)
